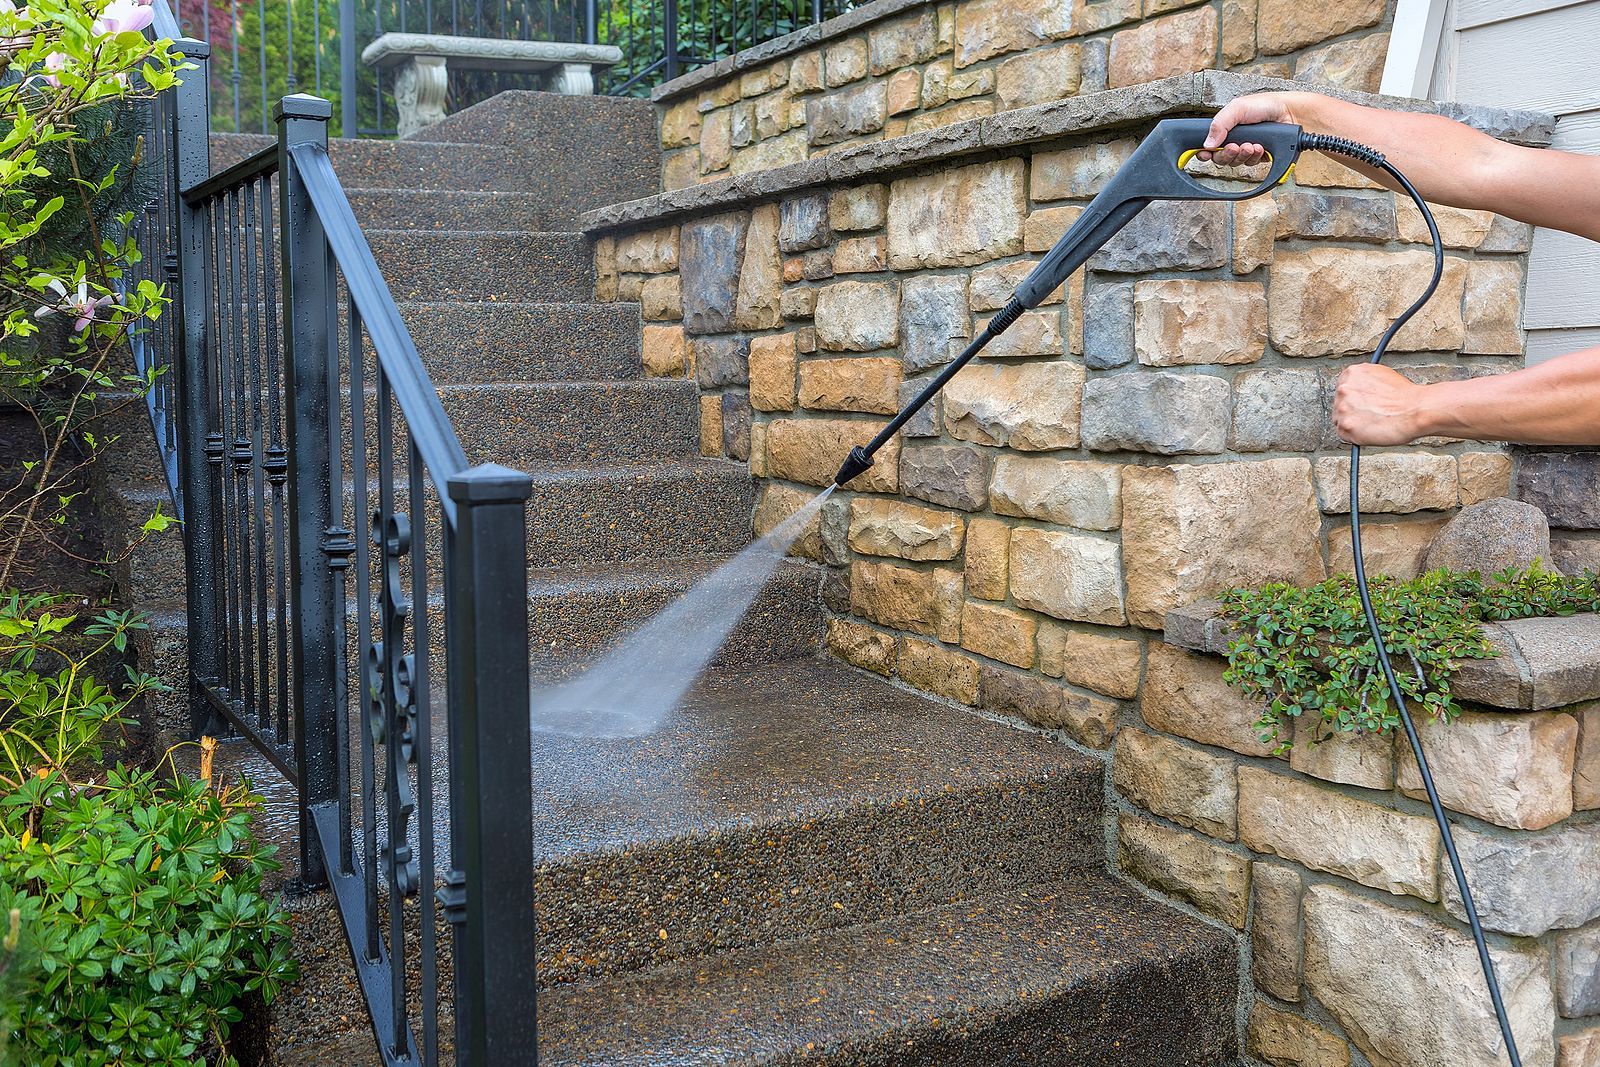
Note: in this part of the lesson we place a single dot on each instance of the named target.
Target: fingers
(1236, 155)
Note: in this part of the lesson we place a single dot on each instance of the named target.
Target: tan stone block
(1184, 694)
(798, 304)
(665, 351)
(1512, 770)
(780, 151)
(899, 597)
(1075, 173)
(969, 83)
(1586, 764)
(903, 42)
(1044, 227)
(1068, 575)
(661, 299)
(988, 542)
(1396, 483)
(1035, 333)
(1284, 1040)
(871, 385)
(680, 124)
(1212, 878)
(1339, 301)
(648, 251)
(1287, 25)
(810, 451)
(711, 426)
(1320, 170)
(1160, 48)
(1326, 830)
(860, 255)
(1238, 31)
(1365, 760)
(1108, 665)
(905, 91)
(947, 584)
(772, 369)
(957, 217)
(755, 82)
(1080, 493)
(1458, 227)
(1183, 784)
(1398, 549)
(805, 338)
(630, 287)
(760, 273)
(1275, 929)
(758, 450)
(905, 531)
(1484, 475)
(999, 633)
(1039, 76)
(1363, 958)
(777, 504)
(1192, 531)
(949, 115)
(605, 269)
(993, 287)
(858, 316)
(859, 644)
(935, 669)
(1493, 307)
(1356, 63)
(861, 207)
(1177, 321)
(716, 142)
(936, 83)
(1032, 406)
(805, 73)
(774, 114)
(1580, 1050)
(985, 28)
(1255, 227)
(845, 62)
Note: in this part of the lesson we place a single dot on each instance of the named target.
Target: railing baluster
(277, 468)
(371, 681)
(242, 456)
(422, 749)
(257, 263)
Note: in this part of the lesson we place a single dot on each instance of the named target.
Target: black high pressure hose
(1373, 158)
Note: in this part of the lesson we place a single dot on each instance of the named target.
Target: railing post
(347, 69)
(316, 548)
(669, 27)
(190, 159)
(591, 26)
(492, 824)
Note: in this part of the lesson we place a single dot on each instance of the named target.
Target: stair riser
(473, 343)
(404, 209)
(444, 267)
(538, 427)
(370, 163)
(608, 915)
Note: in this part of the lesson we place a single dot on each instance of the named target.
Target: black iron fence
(265, 49)
(356, 591)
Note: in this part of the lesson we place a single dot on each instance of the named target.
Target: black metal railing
(266, 49)
(357, 601)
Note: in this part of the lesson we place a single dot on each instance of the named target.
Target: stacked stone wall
(895, 67)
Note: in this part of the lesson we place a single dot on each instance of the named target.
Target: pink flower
(123, 15)
(53, 62)
(80, 304)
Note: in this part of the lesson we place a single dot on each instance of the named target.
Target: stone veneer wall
(894, 67)
(1154, 434)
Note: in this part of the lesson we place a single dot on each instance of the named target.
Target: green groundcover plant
(1309, 655)
(134, 919)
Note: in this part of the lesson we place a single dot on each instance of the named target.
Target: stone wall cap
(790, 43)
(1540, 663)
(1184, 94)
(485, 53)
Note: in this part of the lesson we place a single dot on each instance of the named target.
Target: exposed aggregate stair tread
(436, 166)
(1088, 973)
(542, 424)
(424, 265)
(468, 342)
(430, 210)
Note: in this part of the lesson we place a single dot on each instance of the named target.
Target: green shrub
(1308, 652)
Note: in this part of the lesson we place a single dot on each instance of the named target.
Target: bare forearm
(1555, 403)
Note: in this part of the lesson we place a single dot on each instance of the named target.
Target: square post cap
(301, 106)
(490, 483)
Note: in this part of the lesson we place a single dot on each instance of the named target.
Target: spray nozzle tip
(857, 462)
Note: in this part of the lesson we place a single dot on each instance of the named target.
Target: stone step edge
(1541, 663)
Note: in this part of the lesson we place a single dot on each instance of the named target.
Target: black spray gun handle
(1155, 171)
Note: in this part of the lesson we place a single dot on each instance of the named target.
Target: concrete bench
(422, 58)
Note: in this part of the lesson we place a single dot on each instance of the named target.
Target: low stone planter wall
(1330, 864)
(895, 67)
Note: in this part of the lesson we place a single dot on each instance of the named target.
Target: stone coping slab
(1184, 94)
(485, 53)
(790, 43)
(1542, 663)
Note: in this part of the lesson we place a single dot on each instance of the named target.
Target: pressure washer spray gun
(1157, 170)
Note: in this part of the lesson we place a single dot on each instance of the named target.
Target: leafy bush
(1308, 652)
(140, 924)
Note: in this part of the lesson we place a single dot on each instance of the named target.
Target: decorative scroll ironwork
(392, 704)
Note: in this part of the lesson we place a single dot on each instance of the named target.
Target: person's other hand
(1374, 405)
(1257, 107)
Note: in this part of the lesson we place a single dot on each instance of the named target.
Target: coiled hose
(1374, 158)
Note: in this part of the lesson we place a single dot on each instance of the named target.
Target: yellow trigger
(1183, 160)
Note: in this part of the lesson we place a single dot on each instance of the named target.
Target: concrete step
(1087, 972)
(502, 341)
(568, 424)
(369, 163)
(423, 209)
(438, 267)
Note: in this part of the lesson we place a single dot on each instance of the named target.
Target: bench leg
(573, 79)
(419, 93)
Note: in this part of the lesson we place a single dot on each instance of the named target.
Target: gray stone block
(934, 320)
(950, 475)
(1169, 235)
(710, 254)
(1168, 414)
(1563, 485)
(803, 223)
(1343, 216)
(1577, 957)
(1491, 536)
(720, 361)
(1277, 411)
(736, 424)
(925, 423)
(1107, 324)
(842, 115)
